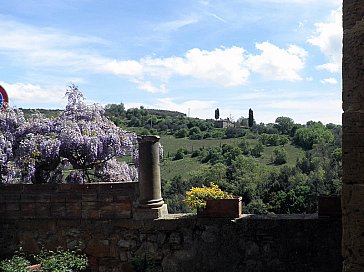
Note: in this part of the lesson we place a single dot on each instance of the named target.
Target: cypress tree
(217, 114)
(251, 118)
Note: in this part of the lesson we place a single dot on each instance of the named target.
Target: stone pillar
(353, 136)
(151, 204)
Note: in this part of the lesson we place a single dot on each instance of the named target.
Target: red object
(35, 267)
(228, 208)
(4, 100)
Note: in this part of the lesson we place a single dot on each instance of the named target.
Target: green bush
(181, 152)
(279, 156)
(61, 261)
(18, 263)
(51, 261)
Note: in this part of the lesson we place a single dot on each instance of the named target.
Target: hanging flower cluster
(80, 145)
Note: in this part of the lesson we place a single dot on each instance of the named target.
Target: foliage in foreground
(50, 261)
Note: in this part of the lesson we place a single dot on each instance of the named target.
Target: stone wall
(353, 136)
(66, 201)
(186, 243)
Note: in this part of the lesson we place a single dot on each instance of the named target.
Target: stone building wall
(186, 243)
(353, 136)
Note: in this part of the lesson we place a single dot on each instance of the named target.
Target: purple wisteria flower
(80, 145)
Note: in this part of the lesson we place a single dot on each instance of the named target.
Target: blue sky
(278, 57)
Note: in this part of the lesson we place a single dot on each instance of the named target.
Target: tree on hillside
(307, 137)
(217, 113)
(284, 125)
(251, 118)
(243, 121)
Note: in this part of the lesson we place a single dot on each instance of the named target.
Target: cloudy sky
(278, 57)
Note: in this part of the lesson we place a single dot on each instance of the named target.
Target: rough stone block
(121, 198)
(73, 197)
(352, 199)
(43, 209)
(87, 197)
(73, 209)
(121, 207)
(32, 197)
(12, 206)
(2, 210)
(353, 239)
(352, 267)
(58, 210)
(154, 213)
(90, 210)
(105, 197)
(29, 242)
(353, 11)
(12, 197)
(351, 122)
(7, 188)
(106, 211)
(40, 188)
(28, 210)
(98, 248)
(353, 223)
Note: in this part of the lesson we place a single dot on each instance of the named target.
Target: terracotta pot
(225, 208)
(34, 267)
(329, 206)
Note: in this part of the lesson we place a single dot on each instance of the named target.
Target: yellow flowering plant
(196, 197)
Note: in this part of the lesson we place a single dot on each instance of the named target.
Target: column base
(150, 213)
(154, 203)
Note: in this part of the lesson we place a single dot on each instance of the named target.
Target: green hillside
(279, 167)
(184, 167)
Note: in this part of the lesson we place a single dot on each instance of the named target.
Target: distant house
(224, 123)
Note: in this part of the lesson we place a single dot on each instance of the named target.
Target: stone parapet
(67, 201)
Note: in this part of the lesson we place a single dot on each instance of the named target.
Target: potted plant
(211, 201)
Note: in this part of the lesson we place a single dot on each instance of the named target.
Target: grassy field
(183, 168)
(292, 153)
(187, 165)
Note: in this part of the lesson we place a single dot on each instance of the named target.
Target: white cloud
(149, 87)
(119, 67)
(25, 94)
(307, 105)
(224, 66)
(331, 67)
(330, 80)
(321, 109)
(47, 47)
(18, 36)
(329, 39)
(276, 63)
(175, 25)
(216, 16)
(197, 108)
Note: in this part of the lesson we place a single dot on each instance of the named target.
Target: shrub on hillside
(279, 156)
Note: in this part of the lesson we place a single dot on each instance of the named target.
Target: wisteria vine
(80, 145)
